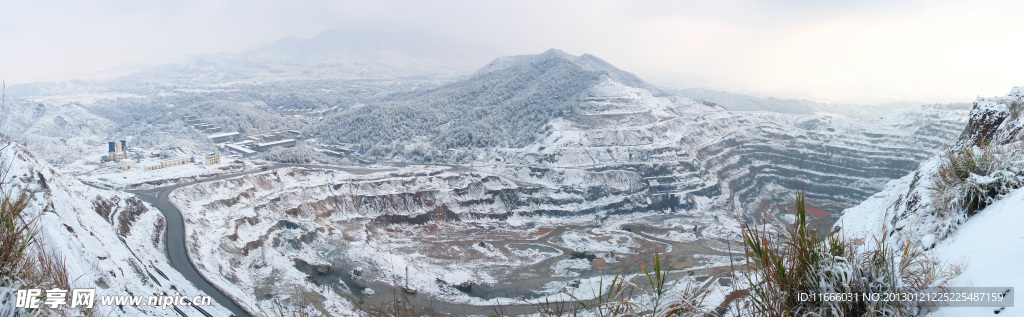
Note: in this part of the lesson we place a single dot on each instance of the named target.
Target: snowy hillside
(110, 241)
(982, 231)
(991, 244)
(65, 132)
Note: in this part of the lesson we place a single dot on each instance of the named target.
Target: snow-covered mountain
(548, 144)
(567, 119)
(586, 62)
(982, 232)
(541, 156)
(110, 240)
(686, 155)
(508, 104)
(570, 118)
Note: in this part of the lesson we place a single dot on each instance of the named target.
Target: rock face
(983, 126)
(994, 120)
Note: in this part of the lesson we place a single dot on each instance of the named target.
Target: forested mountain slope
(507, 105)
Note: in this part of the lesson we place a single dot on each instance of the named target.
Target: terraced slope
(839, 161)
(691, 155)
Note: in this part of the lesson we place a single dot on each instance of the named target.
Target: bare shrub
(968, 180)
(24, 262)
(621, 297)
(1015, 107)
(783, 267)
(17, 233)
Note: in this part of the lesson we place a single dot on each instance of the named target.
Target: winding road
(177, 250)
(174, 235)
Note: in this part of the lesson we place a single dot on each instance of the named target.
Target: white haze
(842, 51)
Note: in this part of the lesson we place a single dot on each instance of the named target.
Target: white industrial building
(126, 164)
(240, 149)
(224, 137)
(268, 145)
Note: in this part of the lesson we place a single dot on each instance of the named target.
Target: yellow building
(175, 161)
(213, 159)
(170, 162)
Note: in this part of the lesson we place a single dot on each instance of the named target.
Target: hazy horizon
(841, 52)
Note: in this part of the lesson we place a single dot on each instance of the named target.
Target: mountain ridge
(516, 96)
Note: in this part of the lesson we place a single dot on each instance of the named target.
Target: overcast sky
(835, 51)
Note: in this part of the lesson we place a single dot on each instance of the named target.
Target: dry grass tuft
(807, 262)
(968, 180)
(24, 262)
(621, 297)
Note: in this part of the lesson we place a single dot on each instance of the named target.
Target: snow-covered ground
(110, 176)
(991, 244)
(110, 240)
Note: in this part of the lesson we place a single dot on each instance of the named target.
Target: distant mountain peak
(586, 62)
(554, 52)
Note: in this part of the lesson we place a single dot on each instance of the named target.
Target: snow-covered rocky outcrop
(989, 241)
(110, 241)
